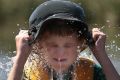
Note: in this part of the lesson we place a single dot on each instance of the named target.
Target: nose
(60, 52)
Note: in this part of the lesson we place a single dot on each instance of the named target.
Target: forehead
(56, 38)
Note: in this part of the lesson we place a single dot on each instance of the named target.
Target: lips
(59, 60)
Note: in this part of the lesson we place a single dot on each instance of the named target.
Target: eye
(69, 45)
(53, 46)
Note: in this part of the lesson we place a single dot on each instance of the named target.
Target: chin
(60, 69)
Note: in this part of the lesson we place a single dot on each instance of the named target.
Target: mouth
(59, 60)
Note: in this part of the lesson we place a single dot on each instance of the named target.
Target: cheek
(72, 50)
(72, 53)
(48, 53)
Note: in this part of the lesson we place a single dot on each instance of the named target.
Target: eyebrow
(70, 43)
(67, 43)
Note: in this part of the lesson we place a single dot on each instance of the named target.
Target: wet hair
(60, 27)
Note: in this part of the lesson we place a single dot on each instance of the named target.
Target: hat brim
(59, 16)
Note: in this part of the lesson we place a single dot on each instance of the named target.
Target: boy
(57, 34)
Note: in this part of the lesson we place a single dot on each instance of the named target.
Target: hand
(22, 46)
(23, 51)
(100, 54)
(100, 39)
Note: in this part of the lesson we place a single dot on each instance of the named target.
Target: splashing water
(60, 75)
(5, 65)
(112, 46)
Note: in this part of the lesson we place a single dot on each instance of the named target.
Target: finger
(23, 32)
(95, 30)
(96, 33)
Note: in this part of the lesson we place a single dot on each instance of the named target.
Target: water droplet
(102, 27)
(78, 47)
(118, 34)
(54, 15)
(95, 24)
(46, 4)
(80, 3)
(14, 52)
(84, 29)
(18, 24)
(118, 48)
(107, 21)
(80, 32)
(25, 22)
(113, 41)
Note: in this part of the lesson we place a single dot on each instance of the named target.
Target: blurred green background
(105, 14)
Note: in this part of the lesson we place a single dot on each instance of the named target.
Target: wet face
(60, 51)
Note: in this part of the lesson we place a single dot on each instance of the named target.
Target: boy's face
(60, 51)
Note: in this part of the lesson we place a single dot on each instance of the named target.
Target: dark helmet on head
(57, 9)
